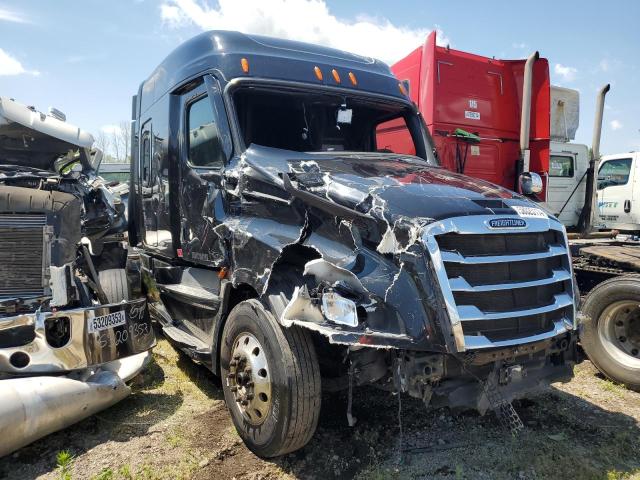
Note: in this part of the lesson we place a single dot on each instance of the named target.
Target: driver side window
(614, 173)
(204, 146)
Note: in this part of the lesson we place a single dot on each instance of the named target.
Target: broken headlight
(338, 309)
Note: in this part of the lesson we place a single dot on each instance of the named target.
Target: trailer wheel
(610, 333)
(115, 284)
(271, 380)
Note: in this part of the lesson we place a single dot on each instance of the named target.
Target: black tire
(604, 298)
(115, 284)
(294, 378)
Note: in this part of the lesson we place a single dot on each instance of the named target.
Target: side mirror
(530, 183)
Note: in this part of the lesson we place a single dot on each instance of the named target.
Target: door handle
(627, 206)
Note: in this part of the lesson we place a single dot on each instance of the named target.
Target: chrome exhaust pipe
(33, 407)
(585, 223)
(525, 117)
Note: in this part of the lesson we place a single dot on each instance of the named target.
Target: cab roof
(266, 57)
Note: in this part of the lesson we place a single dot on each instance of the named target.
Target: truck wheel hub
(619, 329)
(249, 378)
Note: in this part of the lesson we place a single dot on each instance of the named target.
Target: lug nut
(619, 323)
(634, 352)
(623, 339)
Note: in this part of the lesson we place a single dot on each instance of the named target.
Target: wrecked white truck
(74, 327)
(288, 252)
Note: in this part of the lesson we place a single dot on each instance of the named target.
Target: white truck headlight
(338, 309)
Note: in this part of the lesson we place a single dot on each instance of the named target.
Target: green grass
(611, 387)
(125, 472)
(64, 464)
(174, 438)
(105, 474)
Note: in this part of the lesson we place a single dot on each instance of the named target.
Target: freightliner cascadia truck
(289, 252)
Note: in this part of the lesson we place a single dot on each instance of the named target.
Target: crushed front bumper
(66, 340)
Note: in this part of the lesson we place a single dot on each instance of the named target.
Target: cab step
(198, 350)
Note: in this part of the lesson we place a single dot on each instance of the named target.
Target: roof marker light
(318, 73)
(403, 90)
(336, 76)
(245, 65)
(353, 78)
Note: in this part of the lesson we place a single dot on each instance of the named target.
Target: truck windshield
(307, 121)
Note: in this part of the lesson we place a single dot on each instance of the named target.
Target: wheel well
(285, 271)
(237, 294)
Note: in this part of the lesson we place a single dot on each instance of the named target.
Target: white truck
(617, 196)
(568, 162)
(606, 270)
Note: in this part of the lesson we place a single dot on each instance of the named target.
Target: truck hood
(34, 139)
(385, 186)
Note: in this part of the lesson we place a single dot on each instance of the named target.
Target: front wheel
(271, 380)
(610, 332)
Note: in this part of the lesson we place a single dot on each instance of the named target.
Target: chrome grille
(500, 287)
(22, 255)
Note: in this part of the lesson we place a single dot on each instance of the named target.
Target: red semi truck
(459, 92)
(491, 119)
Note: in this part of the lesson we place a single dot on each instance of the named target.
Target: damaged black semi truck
(287, 251)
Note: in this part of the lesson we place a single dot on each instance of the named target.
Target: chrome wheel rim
(619, 329)
(249, 379)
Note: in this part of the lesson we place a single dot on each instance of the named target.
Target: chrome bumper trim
(85, 347)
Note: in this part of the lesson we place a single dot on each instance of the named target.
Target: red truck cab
(480, 95)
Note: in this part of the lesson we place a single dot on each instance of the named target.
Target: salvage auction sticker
(531, 212)
(103, 322)
(471, 115)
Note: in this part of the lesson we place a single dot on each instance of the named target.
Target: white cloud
(519, 45)
(11, 16)
(11, 66)
(568, 74)
(616, 124)
(303, 20)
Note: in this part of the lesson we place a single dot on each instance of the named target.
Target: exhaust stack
(525, 118)
(585, 223)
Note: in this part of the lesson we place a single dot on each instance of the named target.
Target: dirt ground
(175, 426)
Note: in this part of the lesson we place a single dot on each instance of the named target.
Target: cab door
(567, 181)
(205, 148)
(615, 193)
(148, 188)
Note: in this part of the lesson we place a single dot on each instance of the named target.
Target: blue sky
(88, 57)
